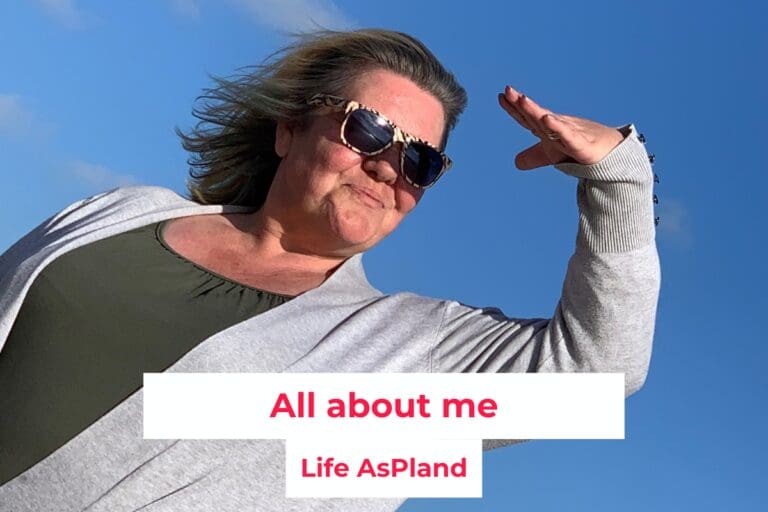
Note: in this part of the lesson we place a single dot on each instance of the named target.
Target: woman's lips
(367, 196)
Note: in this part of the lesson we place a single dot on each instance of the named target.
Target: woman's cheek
(407, 197)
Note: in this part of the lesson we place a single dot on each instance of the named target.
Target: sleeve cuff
(615, 198)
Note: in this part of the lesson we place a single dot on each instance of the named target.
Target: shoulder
(414, 308)
(117, 205)
(102, 215)
(141, 197)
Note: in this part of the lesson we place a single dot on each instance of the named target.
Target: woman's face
(329, 200)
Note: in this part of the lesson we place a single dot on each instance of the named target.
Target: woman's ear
(283, 138)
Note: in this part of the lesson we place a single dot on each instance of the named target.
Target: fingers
(562, 131)
(533, 113)
(525, 111)
(562, 137)
(515, 99)
(570, 137)
(534, 118)
(533, 157)
(511, 109)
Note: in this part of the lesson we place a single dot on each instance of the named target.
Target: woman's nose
(384, 166)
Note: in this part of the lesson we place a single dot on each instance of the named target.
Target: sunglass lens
(422, 164)
(367, 132)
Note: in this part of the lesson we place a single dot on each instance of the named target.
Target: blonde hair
(234, 159)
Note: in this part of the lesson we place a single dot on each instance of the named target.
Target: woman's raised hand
(563, 138)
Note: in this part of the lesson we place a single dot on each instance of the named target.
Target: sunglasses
(369, 133)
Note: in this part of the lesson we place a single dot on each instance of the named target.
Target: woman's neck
(238, 248)
(266, 239)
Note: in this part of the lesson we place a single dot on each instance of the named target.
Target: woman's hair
(233, 144)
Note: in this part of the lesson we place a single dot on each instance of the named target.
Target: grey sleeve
(604, 321)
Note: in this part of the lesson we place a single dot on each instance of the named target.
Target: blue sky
(90, 93)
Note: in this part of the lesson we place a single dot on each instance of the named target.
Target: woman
(304, 165)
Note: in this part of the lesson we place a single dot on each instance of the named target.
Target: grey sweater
(603, 323)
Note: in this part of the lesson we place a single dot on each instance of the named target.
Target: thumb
(532, 158)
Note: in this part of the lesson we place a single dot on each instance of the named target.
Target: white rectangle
(381, 468)
(239, 405)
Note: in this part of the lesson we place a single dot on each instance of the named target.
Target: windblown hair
(234, 159)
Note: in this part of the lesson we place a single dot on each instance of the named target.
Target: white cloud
(297, 15)
(100, 177)
(15, 119)
(186, 8)
(65, 13)
(673, 222)
(18, 121)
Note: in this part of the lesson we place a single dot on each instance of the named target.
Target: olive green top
(92, 323)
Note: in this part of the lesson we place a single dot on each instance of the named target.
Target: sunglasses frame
(398, 135)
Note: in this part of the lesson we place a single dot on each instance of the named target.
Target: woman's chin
(354, 227)
(357, 240)
(358, 234)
